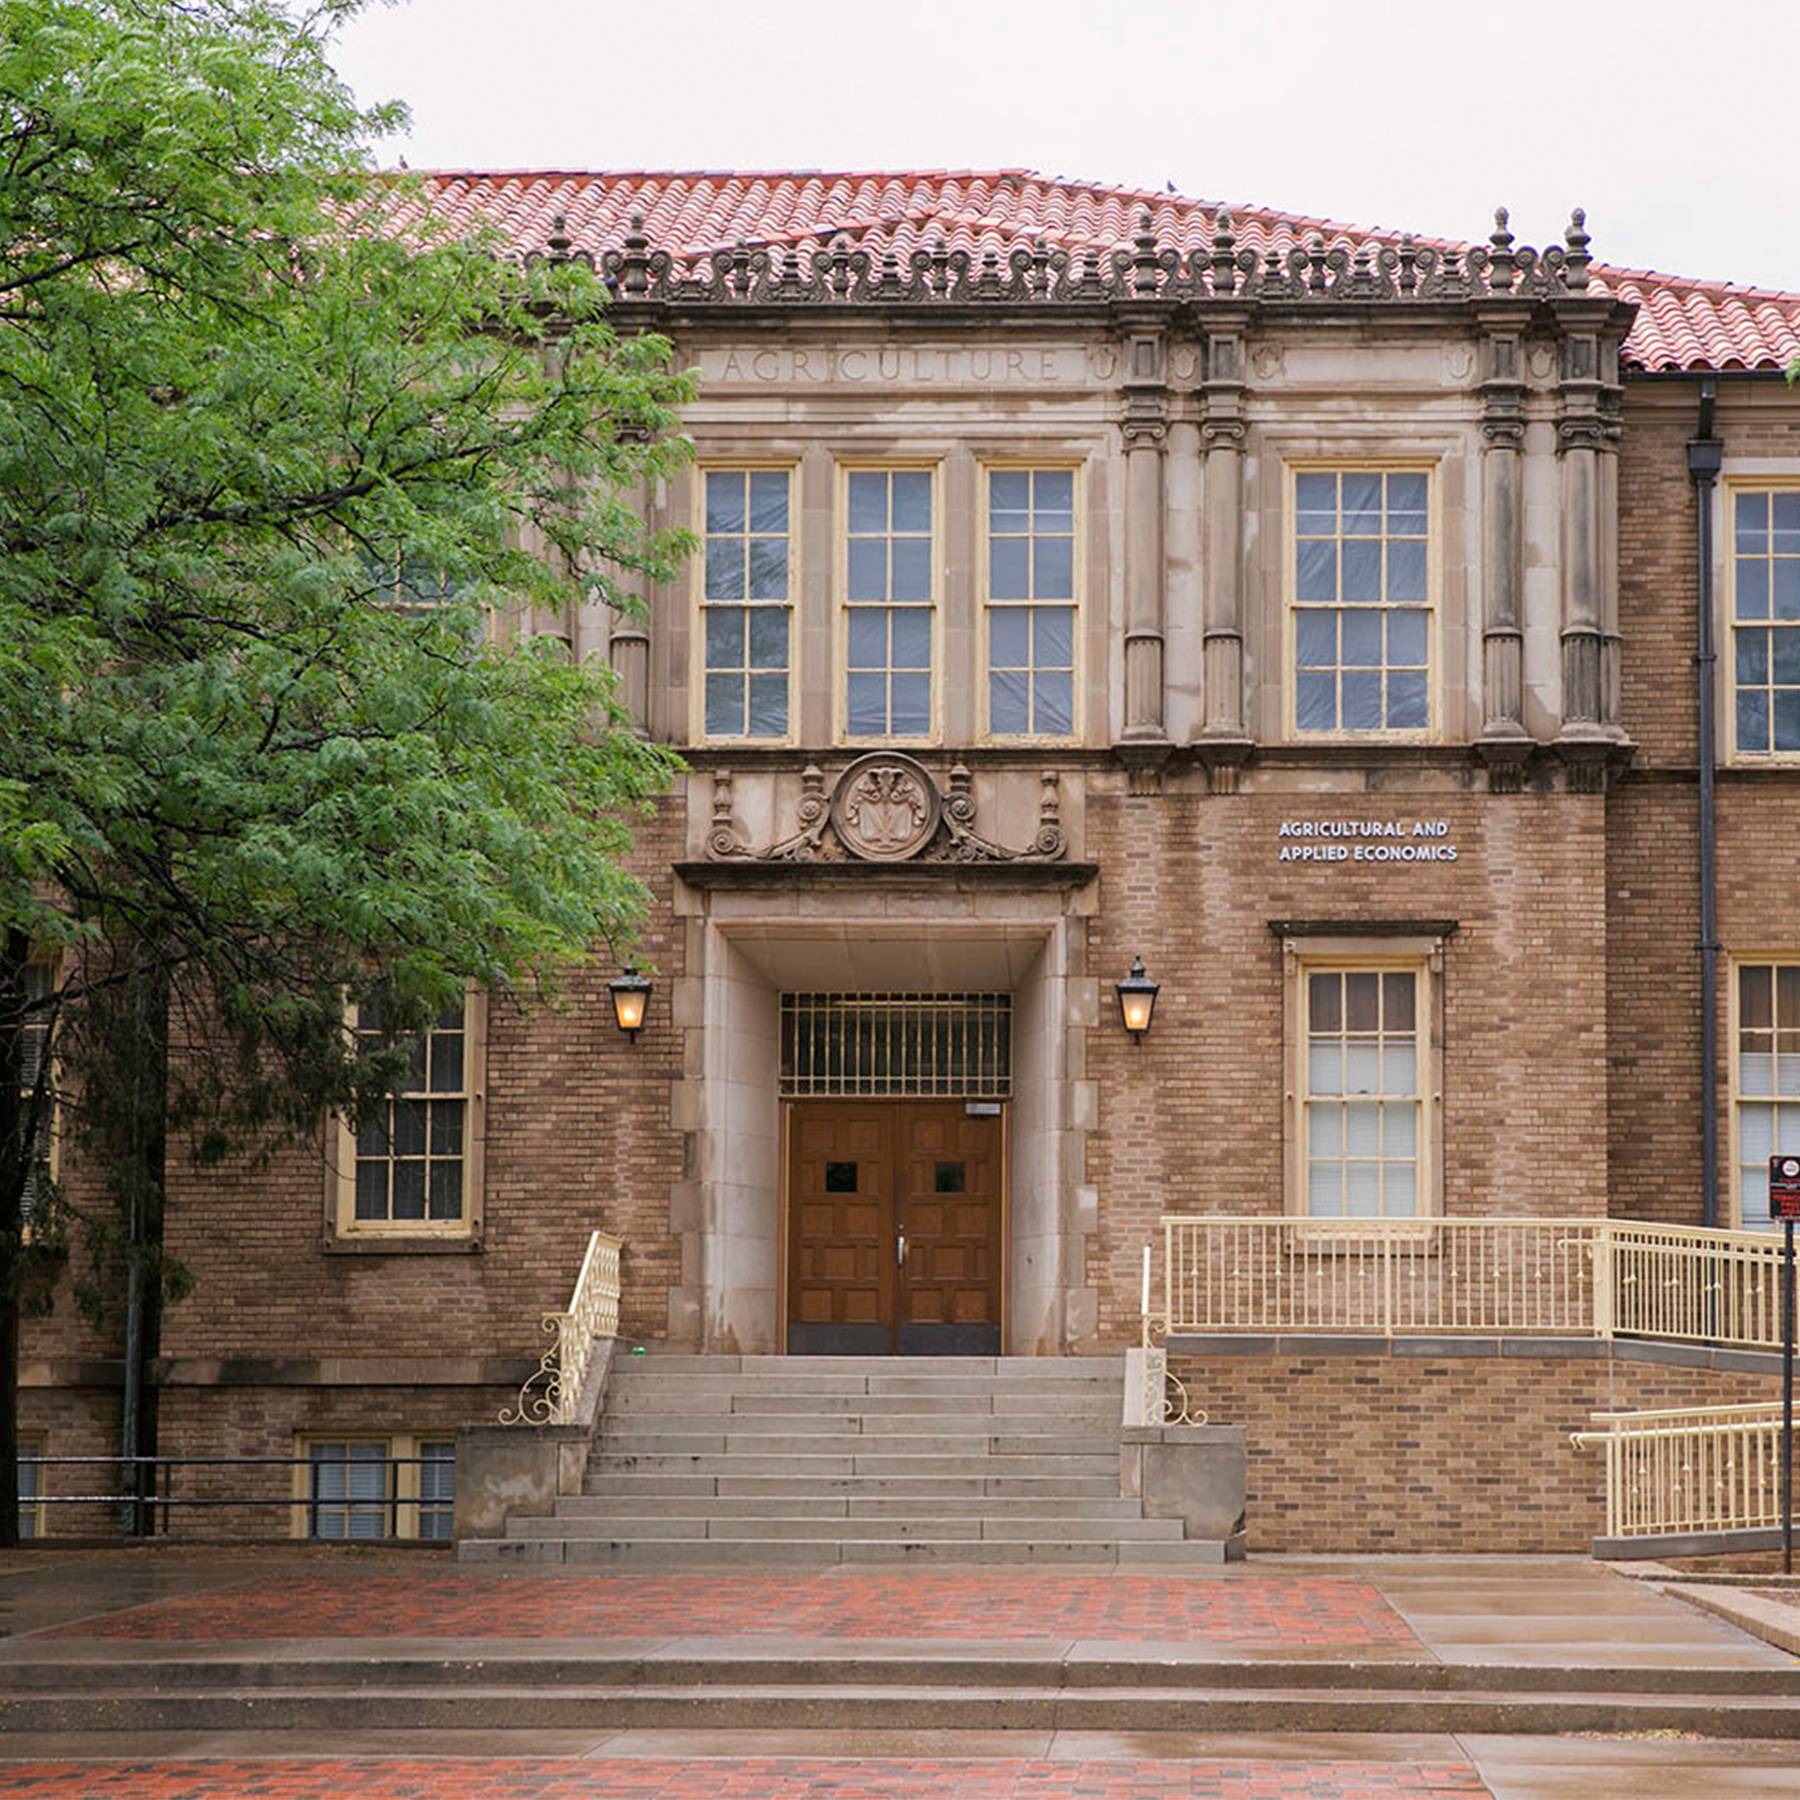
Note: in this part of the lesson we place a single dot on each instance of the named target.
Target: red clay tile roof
(1681, 324)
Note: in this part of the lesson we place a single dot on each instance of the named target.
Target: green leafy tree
(275, 447)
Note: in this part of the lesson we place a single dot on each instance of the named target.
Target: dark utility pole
(1705, 456)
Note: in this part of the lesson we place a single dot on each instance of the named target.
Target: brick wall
(1466, 1453)
(1190, 1120)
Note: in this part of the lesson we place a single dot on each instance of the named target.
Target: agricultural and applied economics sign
(1366, 841)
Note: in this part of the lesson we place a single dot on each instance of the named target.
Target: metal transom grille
(955, 1046)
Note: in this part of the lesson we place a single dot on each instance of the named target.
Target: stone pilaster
(1144, 424)
(1504, 742)
(1224, 741)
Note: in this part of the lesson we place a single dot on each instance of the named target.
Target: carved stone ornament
(886, 808)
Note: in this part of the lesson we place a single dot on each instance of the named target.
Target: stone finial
(634, 265)
(557, 244)
(1143, 261)
(1500, 254)
(1575, 265)
(1224, 253)
(1409, 263)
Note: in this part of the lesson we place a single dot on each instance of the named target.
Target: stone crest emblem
(885, 807)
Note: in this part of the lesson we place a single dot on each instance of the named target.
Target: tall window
(1364, 1098)
(412, 1158)
(745, 603)
(1031, 602)
(437, 1488)
(1765, 590)
(889, 595)
(1766, 1080)
(1362, 601)
(31, 1488)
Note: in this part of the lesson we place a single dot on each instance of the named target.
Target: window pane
(911, 637)
(725, 500)
(1362, 1190)
(1054, 568)
(1753, 523)
(1362, 1067)
(1362, 1002)
(1361, 498)
(1362, 639)
(446, 1062)
(1054, 636)
(1787, 997)
(1362, 1128)
(1407, 570)
(1784, 588)
(1055, 704)
(1362, 702)
(1007, 694)
(912, 500)
(1399, 1129)
(1752, 656)
(1756, 1067)
(1325, 1002)
(1408, 706)
(1326, 1134)
(1009, 568)
(724, 637)
(409, 1127)
(1784, 521)
(868, 569)
(1315, 502)
(868, 501)
(1406, 505)
(868, 705)
(409, 1190)
(1316, 571)
(769, 500)
(1053, 493)
(1325, 1189)
(768, 706)
(1399, 1069)
(869, 637)
(1784, 658)
(768, 568)
(1397, 993)
(1009, 491)
(371, 1190)
(724, 568)
(1325, 1067)
(1399, 1183)
(1009, 637)
(1316, 639)
(768, 637)
(1752, 590)
(1316, 703)
(912, 705)
(1362, 572)
(446, 1127)
(912, 568)
(446, 1190)
(1756, 997)
(1753, 719)
(1406, 638)
(1787, 719)
(724, 705)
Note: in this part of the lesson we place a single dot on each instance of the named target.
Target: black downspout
(1705, 455)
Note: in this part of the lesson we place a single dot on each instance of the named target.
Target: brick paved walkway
(1292, 1611)
(739, 1778)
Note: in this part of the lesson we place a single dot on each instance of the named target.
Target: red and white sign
(1784, 1187)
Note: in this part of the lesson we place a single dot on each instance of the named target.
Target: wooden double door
(895, 1228)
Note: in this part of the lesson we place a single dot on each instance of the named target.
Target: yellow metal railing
(552, 1395)
(1492, 1276)
(1691, 1469)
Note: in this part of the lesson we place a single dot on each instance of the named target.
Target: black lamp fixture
(631, 1000)
(1137, 1000)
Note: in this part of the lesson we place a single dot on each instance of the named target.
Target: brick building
(1090, 576)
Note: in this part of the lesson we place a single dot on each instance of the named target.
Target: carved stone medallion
(885, 807)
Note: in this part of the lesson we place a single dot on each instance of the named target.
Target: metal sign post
(1784, 1204)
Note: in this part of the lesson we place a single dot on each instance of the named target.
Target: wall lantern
(631, 1000)
(1137, 1000)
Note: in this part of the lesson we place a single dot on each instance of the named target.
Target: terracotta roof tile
(1681, 323)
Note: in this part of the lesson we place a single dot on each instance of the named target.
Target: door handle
(900, 1251)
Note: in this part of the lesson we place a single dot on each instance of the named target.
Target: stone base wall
(1458, 1453)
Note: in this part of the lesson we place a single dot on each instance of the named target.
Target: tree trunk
(15, 955)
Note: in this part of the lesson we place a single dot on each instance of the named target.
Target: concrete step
(1003, 1368)
(812, 1466)
(132, 1707)
(1004, 1402)
(637, 1442)
(689, 1390)
(901, 1487)
(817, 1552)
(971, 1527)
(852, 1505)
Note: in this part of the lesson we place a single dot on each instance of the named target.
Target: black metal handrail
(156, 1494)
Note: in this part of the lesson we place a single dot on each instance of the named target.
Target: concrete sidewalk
(153, 1673)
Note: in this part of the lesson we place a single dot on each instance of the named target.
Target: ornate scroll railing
(1690, 1469)
(1279, 263)
(1495, 1276)
(552, 1395)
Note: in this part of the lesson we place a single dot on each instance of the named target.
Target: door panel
(948, 1205)
(861, 1174)
(841, 1251)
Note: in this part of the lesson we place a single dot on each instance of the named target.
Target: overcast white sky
(1672, 121)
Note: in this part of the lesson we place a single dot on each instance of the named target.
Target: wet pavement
(1534, 1616)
